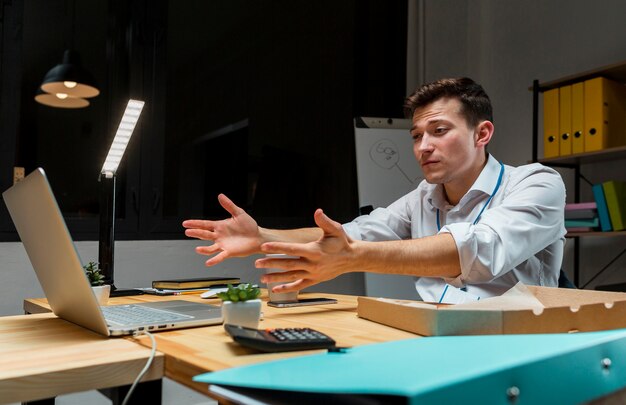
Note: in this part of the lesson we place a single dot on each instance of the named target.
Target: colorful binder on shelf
(565, 120)
(583, 222)
(579, 229)
(615, 195)
(585, 210)
(551, 123)
(578, 121)
(603, 211)
(604, 120)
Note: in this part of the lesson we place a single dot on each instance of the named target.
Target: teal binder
(543, 369)
(592, 223)
(603, 211)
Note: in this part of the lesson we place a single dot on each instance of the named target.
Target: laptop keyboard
(138, 314)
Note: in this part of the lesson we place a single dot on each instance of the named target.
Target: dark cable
(603, 269)
(584, 178)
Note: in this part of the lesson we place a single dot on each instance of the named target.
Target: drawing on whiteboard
(385, 154)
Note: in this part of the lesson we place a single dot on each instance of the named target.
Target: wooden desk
(189, 352)
(42, 356)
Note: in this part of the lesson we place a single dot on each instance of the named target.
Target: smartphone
(302, 302)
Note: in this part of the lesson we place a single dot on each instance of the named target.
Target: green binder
(615, 195)
(534, 369)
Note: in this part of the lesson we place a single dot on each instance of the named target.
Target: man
(472, 229)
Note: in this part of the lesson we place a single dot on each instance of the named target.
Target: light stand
(106, 246)
(107, 227)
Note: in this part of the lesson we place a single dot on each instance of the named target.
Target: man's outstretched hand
(321, 260)
(232, 237)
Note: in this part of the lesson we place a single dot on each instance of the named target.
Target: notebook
(52, 253)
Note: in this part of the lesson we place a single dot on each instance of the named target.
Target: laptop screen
(51, 251)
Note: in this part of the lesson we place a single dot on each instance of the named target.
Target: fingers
(272, 263)
(331, 228)
(216, 259)
(200, 234)
(292, 249)
(211, 250)
(226, 203)
(207, 250)
(198, 224)
(304, 283)
(229, 206)
(295, 286)
(326, 224)
(284, 277)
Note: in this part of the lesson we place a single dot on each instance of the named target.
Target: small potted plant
(96, 279)
(241, 305)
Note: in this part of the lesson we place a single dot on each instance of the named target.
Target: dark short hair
(476, 105)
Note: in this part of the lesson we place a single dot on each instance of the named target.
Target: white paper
(414, 304)
(518, 297)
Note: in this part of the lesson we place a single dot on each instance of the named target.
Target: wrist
(269, 235)
(265, 236)
(359, 255)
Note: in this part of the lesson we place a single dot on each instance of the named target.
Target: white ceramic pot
(102, 293)
(245, 313)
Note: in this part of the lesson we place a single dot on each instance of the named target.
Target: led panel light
(122, 137)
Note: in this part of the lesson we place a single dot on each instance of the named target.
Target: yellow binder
(565, 120)
(551, 123)
(578, 121)
(605, 124)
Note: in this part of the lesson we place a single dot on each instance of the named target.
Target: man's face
(443, 144)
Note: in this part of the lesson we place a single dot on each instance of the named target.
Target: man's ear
(483, 134)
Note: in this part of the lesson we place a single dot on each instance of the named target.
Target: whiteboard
(386, 166)
(386, 170)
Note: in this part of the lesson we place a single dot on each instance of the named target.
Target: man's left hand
(322, 260)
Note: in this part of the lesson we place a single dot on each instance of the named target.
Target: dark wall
(254, 99)
(299, 72)
(288, 68)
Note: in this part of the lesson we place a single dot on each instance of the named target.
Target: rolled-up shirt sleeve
(380, 224)
(529, 218)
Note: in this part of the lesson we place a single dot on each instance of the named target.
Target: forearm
(433, 256)
(301, 235)
(335, 254)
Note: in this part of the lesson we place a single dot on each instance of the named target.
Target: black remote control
(279, 339)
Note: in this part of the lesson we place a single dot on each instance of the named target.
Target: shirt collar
(488, 177)
(485, 183)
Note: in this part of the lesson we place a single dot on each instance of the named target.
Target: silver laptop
(52, 253)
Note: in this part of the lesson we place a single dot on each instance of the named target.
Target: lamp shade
(60, 101)
(70, 78)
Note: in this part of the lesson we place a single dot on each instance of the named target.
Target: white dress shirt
(519, 236)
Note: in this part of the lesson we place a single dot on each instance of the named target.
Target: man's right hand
(232, 237)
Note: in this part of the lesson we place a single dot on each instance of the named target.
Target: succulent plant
(240, 293)
(94, 274)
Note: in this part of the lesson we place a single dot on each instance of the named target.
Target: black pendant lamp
(68, 84)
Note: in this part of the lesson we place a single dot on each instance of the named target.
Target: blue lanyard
(495, 190)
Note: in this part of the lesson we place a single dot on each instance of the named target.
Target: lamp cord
(73, 25)
(145, 368)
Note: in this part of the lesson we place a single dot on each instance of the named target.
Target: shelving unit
(586, 158)
(615, 72)
(592, 234)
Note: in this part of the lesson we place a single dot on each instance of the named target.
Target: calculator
(279, 339)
